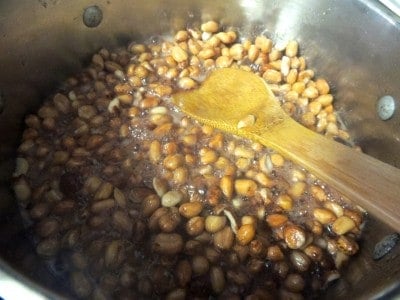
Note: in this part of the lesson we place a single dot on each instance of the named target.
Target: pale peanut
(263, 43)
(297, 189)
(318, 193)
(226, 185)
(292, 48)
(322, 86)
(324, 216)
(272, 76)
(179, 54)
(246, 234)
(210, 26)
(215, 223)
(343, 225)
(277, 160)
(223, 61)
(187, 83)
(155, 151)
(285, 202)
(171, 198)
(245, 187)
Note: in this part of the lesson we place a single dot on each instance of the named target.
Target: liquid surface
(130, 198)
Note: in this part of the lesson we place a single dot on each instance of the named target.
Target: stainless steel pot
(354, 44)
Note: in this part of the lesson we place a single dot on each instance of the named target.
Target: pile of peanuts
(133, 199)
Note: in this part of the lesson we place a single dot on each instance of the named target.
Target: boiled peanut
(300, 260)
(276, 220)
(294, 282)
(214, 223)
(347, 245)
(183, 272)
(217, 279)
(246, 234)
(226, 185)
(169, 221)
(171, 198)
(324, 216)
(285, 202)
(223, 239)
(160, 186)
(200, 265)
(104, 191)
(80, 284)
(343, 225)
(114, 254)
(275, 253)
(295, 237)
(190, 209)
(292, 48)
(102, 206)
(245, 187)
(210, 26)
(195, 225)
(167, 243)
(122, 221)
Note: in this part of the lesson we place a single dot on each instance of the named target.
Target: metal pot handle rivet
(386, 245)
(92, 16)
(385, 107)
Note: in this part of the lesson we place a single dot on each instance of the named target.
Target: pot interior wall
(354, 44)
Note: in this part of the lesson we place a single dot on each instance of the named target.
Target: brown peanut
(195, 226)
(276, 220)
(183, 272)
(150, 204)
(223, 239)
(167, 243)
(295, 237)
(191, 209)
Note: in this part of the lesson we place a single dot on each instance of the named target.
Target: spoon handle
(372, 184)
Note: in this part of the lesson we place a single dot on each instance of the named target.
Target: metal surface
(13, 289)
(393, 5)
(2, 102)
(354, 44)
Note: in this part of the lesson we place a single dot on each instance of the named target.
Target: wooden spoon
(231, 97)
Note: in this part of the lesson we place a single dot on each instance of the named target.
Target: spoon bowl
(241, 103)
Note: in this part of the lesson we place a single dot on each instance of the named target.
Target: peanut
(342, 225)
(215, 223)
(246, 234)
(295, 236)
(167, 243)
(191, 209)
(245, 187)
